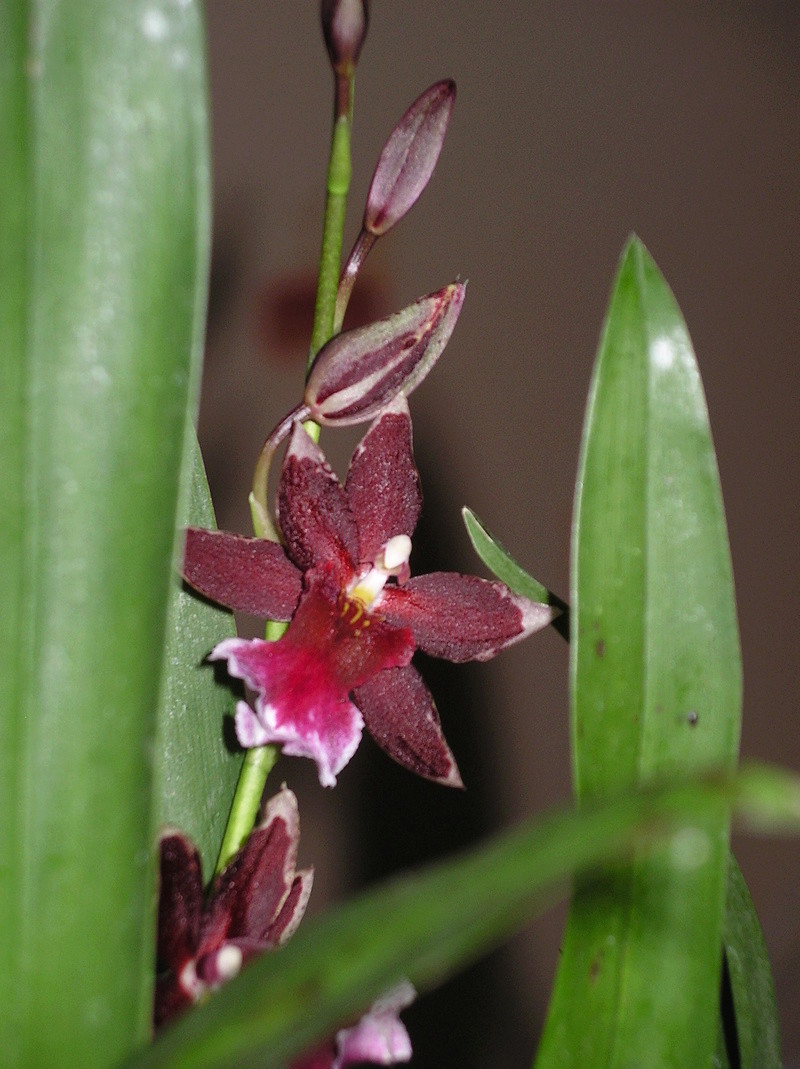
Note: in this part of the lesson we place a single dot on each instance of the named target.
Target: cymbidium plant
(152, 908)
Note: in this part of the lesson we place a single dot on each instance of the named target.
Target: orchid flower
(255, 905)
(356, 616)
(380, 1037)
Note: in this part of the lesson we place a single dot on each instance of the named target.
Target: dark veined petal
(180, 899)
(313, 512)
(180, 904)
(250, 894)
(462, 617)
(383, 484)
(400, 715)
(250, 575)
(409, 157)
(360, 371)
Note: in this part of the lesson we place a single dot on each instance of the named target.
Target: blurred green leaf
(425, 926)
(749, 1011)
(501, 564)
(656, 690)
(104, 204)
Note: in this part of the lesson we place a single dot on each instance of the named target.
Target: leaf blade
(656, 687)
(425, 926)
(502, 565)
(111, 175)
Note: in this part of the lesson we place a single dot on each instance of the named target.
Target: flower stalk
(344, 27)
(258, 764)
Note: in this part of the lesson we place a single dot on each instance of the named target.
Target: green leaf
(656, 689)
(104, 204)
(425, 926)
(196, 771)
(501, 564)
(750, 1012)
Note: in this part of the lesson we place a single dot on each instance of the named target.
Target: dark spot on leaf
(594, 969)
(600, 647)
(691, 718)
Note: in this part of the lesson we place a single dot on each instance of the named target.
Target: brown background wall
(575, 124)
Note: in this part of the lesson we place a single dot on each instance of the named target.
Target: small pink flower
(255, 904)
(356, 616)
(380, 1037)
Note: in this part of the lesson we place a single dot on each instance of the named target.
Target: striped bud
(360, 371)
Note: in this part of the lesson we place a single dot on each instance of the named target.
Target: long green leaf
(426, 926)
(749, 1009)
(104, 199)
(196, 771)
(656, 689)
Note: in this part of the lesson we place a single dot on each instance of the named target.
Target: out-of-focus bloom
(380, 1037)
(254, 905)
(356, 616)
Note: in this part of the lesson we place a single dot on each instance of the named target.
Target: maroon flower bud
(344, 24)
(360, 371)
(408, 158)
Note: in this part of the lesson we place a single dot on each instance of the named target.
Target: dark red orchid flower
(255, 904)
(356, 616)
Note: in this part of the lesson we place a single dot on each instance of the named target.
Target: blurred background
(576, 123)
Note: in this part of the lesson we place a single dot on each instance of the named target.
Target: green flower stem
(338, 184)
(257, 766)
(259, 760)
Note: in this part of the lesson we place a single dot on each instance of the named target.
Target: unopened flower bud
(344, 24)
(408, 158)
(360, 371)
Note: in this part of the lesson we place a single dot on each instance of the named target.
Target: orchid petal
(170, 999)
(180, 899)
(462, 617)
(408, 158)
(360, 371)
(292, 910)
(300, 704)
(380, 1037)
(250, 893)
(338, 641)
(314, 515)
(249, 729)
(332, 646)
(250, 575)
(180, 906)
(400, 715)
(382, 484)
